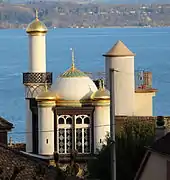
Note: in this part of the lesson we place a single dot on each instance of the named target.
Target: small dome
(74, 85)
(36, 26)
(101, 93)
(47, 95)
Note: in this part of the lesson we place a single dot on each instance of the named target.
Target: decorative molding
(44, 104)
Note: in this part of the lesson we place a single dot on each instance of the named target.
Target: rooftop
(118, 50)
(4, 124)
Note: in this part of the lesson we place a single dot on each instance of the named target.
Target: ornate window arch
(74, 133)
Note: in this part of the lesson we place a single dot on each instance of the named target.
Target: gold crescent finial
(73, 59)
(36, 14)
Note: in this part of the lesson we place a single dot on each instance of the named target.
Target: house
(156, 163)
(5, 127)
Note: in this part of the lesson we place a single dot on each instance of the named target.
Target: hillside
(64, 14)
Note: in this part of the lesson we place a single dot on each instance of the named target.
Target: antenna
(73, 58)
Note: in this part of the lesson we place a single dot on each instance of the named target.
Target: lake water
(151, 45)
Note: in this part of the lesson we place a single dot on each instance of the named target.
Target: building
(5, 127)
(69, 115)
(73, 113)
(156, 163)
(139, 99)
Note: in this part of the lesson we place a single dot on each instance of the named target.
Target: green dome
(73, 72)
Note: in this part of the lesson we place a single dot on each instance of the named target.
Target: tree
(131, 141)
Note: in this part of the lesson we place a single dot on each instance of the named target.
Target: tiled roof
(162, 145)
(73, 72)
(4, 124)
(118, 50)
(29, 167)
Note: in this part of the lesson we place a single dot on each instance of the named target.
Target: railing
(31, 78)
(143, 79)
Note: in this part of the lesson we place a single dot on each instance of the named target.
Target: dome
(74, 85)
(47, 95)
(36, 26)
(101, 94)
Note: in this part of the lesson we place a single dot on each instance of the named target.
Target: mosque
(73, 113)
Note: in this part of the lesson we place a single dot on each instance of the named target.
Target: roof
(27, 166)
(118, 50)
(4, 124)
(102, 93)
(36, 26)
(161, 146)
(142, 166)
(73, 72)
(47, 95)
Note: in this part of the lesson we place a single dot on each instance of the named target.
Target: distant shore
(95, 27)
(114, 27)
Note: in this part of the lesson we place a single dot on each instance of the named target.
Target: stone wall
(120, 120)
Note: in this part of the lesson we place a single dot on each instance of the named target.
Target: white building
(73, 114)
(129, 100)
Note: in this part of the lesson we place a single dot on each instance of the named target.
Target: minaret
(121, 60)
(36, 78)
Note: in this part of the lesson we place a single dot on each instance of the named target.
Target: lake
(151, 45)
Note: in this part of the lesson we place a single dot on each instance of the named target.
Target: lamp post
(112, 124)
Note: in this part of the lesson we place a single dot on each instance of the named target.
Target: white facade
(144, 104)
(37, 53)
(46, 128)
(124, 83)
(74, 88)
(101, 124)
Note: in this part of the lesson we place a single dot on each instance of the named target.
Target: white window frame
(74, 126)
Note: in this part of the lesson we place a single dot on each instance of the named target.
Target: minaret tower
(121, 60)
(36, 79)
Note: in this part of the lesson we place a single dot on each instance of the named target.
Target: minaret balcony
(37, 78)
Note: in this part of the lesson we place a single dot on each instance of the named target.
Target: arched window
(74, 132)
(64, 134)
(83, 140)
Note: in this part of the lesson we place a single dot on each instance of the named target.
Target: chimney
(160, 129)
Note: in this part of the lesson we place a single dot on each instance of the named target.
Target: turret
(119, 62)
(101, 99)
(46, 102)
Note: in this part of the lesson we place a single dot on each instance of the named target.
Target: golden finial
(73, 58)
(36, 14)
(100, 84)
(102, 80)
(46, 87)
